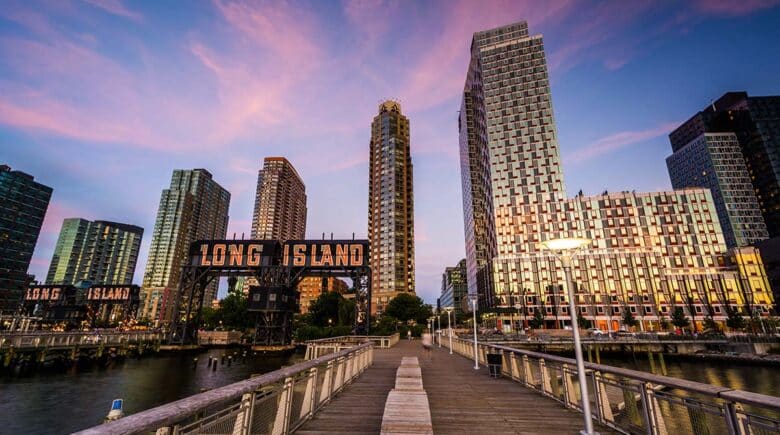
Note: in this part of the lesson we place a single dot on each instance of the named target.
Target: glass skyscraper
(454, 287)
(651, 252)
(390, 206)
(23, 204)
(101, 252)
(194, 207)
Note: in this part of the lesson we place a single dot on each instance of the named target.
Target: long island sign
(245, 255)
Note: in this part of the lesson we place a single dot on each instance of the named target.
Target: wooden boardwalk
(462, 400)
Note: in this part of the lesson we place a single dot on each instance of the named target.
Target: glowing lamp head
(565, 244)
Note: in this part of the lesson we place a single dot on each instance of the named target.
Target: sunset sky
(101, 100)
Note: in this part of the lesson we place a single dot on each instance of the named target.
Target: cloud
(734, 8)
(116, 7)
(618, 141)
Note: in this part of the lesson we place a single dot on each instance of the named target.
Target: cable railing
(630, 401)
(276, 403)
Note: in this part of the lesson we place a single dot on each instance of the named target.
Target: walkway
(462, 400)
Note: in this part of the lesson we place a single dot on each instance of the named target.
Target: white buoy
(116, 411)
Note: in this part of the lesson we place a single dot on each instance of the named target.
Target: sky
(102, 99)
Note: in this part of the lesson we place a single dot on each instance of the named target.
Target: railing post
(528, 378)
(569, 394)
(733, 420)
(339, 378)
(310, 396)
(603, 408)
(243, 424)
(506, 368)
(514, 365)
(327, 383)
(654, 420)
(546, 387)
(283, 408)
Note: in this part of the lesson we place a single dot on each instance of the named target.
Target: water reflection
(65, 402)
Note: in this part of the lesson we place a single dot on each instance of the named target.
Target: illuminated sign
(234, 254)
(44, 293)
(112, 293)
(326, 253)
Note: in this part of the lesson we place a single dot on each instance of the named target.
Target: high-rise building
(101, 252)
(714, 161)
(390, 206)
(454, 287)
(651, 252)
(194, 207)
(311, 287)
(755, 121)
(280, 202)
(23, 204)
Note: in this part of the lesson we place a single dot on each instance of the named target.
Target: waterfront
(55, 403)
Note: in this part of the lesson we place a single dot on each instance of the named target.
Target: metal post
(449, 326)
(474, 311)
(438, 322)
(585, 402)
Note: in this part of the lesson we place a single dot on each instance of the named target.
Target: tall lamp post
(473, 300)
(449, 326)
(565, 250)
(438, 323)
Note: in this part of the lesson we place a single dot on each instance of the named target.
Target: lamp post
(565, 250)
(438, 323)
(449, 326)
(473, 300)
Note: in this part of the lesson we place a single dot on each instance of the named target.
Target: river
(63, 402)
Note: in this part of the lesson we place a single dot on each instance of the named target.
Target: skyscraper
(280, 202)
(194, 207)
(23, 204)
(390, 206)
(101, 252)
(454, 287)
(651, 253)
(755, 122)
(715, 161)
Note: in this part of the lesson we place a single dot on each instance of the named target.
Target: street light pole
(449, 327)
(566, 249)
(473, 299)
(438, 322)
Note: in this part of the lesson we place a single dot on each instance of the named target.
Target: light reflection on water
(64, 402)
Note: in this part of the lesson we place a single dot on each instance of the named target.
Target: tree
(679, 319)
(734, 319)
(408, 307)
(331, 309)
(537, 321)
(710, 325)
(584, 323)
(386, 325)
(628, 318)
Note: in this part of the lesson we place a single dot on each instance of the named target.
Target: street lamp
(565, 249)
(449, 325)
(438, 323)
(473, 300)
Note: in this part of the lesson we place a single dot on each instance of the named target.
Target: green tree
(210, 317)
(628, 318)
(679, 319)
(233, 311)
(537, 321)
(734, 319)
(331, 309)
(584, 323)
(710, 325)
(386, 325)
(408, 307)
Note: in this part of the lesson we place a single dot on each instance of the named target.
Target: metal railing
(634, 402)
(276, 403)
(324, 346)
(35, 340)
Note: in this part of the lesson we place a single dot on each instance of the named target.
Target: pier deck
(462, 400)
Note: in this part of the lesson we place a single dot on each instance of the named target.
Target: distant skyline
(103, 99)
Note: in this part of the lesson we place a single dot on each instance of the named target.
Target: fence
(52, 340)
(635, 402)
(324, 346)
(274, 403)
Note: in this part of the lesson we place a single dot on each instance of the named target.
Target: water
(56, 403)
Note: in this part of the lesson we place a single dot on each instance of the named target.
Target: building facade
(755, 121)
(390, 206)
(715, 161)
(101, 252)
(23, 205)
(454, 288)
(311, 287)
(280, 202)
(651, 252)
(194, 207)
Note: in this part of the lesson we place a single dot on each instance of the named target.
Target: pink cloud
(116, 7)
(618, 141)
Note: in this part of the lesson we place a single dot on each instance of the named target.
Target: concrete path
(461, 399)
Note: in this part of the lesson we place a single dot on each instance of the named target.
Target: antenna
(331, 236)
(323, 236)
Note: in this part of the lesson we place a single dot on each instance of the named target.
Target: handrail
(174, 412)
(632, 401)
